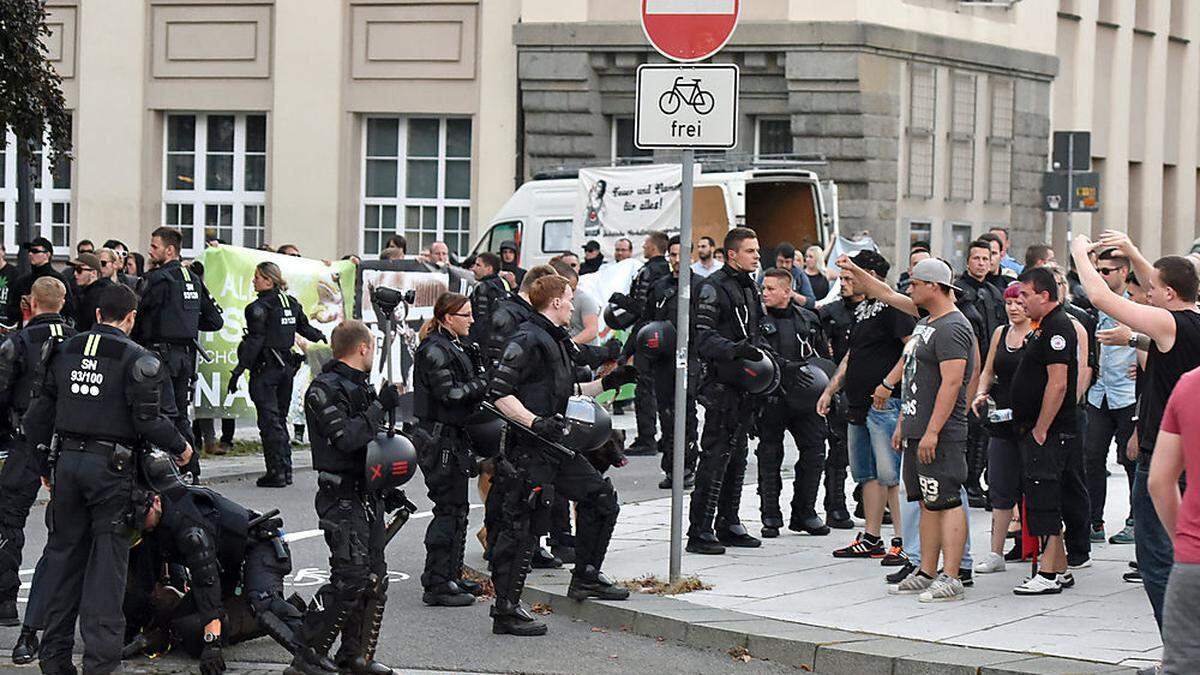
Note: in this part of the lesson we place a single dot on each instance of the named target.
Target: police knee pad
(351, 582)
(605, 500)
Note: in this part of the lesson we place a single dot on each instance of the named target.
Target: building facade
(328, 124)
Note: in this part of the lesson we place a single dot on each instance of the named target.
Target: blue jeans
(1155, 553)
(870, 446)
(910, 525)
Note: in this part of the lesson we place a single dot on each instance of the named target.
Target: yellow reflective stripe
(283, 299)
(93, 342)
(55, 330)
(186, 276)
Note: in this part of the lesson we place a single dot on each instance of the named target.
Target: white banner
(628, 201)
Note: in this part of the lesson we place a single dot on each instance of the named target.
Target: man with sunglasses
(90, 284)
(8, 279)
(40, 252)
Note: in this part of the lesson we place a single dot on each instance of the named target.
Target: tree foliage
(31, 96)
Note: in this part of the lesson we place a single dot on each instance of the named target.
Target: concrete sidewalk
(792, 600)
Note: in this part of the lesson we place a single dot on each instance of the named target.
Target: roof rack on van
(718, 162)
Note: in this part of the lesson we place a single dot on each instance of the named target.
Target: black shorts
(1043, 467)
(937, 485)
(1004, 473)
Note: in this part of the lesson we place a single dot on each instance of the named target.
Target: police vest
(462, 363)
(178, 319)
(32, 339)
(92, 377)
(358, 397)
(743, 299)
(548, 361)
(281, 320)
(791, 335)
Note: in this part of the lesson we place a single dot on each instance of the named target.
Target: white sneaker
(992, 562)
(913, 584)
(943, 589)
(1038, 585)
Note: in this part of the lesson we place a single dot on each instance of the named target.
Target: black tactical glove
(612, 350)
(745, 350)
(395, 499)
(211, 660)
(233, 380)
(797, 374)
(389, 396)
(620, 376)
(552, 428)
(623, 301)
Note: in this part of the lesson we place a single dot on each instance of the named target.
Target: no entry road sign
(689, 30)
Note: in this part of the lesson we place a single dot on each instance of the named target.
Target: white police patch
(1058, 343)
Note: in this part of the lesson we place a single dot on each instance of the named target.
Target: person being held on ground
(818, 275)
(273, 321)
(449, 383)
(795, 336)
(531, 386)
(1173, 324)
(1177, 450)
(869, 374)
(1111, 404)
(1004, 457)
(1044, 416)
(938, 363)
(706, 260)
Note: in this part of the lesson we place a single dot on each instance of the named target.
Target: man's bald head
(47, 295)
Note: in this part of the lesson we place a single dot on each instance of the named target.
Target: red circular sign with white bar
(689, 30)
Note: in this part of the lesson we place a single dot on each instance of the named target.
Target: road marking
(309, 534)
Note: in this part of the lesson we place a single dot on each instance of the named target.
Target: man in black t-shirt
(1044, 413)
(869, 375)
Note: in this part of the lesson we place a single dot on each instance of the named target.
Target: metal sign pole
(684, 293)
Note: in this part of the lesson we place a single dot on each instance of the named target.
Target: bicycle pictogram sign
(690, 94)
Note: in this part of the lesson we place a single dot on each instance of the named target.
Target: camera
(387, 299)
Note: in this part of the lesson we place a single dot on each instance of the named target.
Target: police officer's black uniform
(537, 369)
(449, 383)
(272, 322)
(101, 396)
(644, 401)
(174, 307)
(21, 358)
(211, 536)
(795, 335)
(664, 300)
(344, 414)
(485, 299)
(728, 326)
(510, 314)
(983, 305)
(836, 320)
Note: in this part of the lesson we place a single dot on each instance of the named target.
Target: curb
(827, 651)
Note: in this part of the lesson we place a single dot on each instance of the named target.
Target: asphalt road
(420, 638)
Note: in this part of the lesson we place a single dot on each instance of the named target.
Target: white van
(781, 204)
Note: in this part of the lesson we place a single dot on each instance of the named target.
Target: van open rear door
(783, 207)
(710, 213)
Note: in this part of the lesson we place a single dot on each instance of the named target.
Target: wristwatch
(1133, 339)
(889, 387)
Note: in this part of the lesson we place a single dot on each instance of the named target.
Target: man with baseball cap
(90, 284)
(932, 430)
(593, 259)
(40, 252)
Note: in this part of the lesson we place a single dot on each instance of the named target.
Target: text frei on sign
(689, 30)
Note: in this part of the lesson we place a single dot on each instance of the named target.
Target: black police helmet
(804, 399)
(617, 318)
(486, 432)
(754, 376)
(391, 462)
(656, 340)
(590, 424)
(161, 475)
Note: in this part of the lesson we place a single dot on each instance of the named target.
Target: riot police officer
(449, 383)
(663, 299)
(175, 306)
(20, 368)
(100, 397)
(489, 290)
(836, 319)
(532, 385)
(272, 322)
(344, 415)
(229, 551)
(794, 334)
(728, 340)
(637, 302)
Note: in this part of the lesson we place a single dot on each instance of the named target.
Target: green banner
(325, 291)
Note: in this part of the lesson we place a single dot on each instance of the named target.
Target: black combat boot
(509, 618)
(810, 524)
(592, 583)
(448, 594)
(771, 526)
(26, 649)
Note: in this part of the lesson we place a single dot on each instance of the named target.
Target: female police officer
(272, 322)
(449, 384)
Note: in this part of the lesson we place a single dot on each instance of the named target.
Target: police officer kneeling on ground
(344, 416)
(272, 322)
(230, 552)
(532, 386)
(174, 307)
(20, 479)
(100, 396)
(449, 383)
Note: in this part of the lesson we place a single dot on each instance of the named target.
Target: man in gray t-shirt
(938, 363)
(585, 306)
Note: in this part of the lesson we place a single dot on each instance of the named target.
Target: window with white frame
(51, 196)
(215, 177)
(773, 136)
(922, 108)
(416, 182)
(623, 148)
(1000, 141)
(962, 138)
